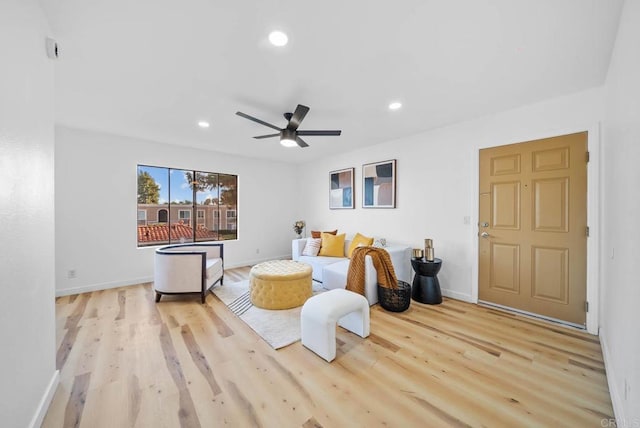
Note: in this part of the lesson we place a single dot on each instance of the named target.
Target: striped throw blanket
(382, 263)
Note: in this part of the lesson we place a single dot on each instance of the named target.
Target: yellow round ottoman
(280, 284)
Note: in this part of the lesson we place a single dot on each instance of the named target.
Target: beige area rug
(278, 328)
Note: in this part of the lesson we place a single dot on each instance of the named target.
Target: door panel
(550, 277)
(550, 160)
(533, 201)
(505, 165)
(551, 205)
(505, 210)
(505, 267)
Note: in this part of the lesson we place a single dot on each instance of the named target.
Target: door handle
(484, 235)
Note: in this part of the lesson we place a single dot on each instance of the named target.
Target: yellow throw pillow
(332, 245)
(359, 241)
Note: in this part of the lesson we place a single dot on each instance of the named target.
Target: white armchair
(188, 268)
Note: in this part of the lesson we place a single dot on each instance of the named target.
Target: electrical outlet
(467, 219)
(257, 250)
(71, 274)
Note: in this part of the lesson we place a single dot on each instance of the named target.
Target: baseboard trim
(457, 295)
(45, 401)
(102, 286)
(135, 281)
(616, 400)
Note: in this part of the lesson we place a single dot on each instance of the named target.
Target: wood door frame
(593, 210)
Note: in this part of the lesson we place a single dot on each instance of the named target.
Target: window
(142, 217)
(178, 196)
(163, 216)
(184, 217)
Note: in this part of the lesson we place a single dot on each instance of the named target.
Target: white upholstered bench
(321, 313)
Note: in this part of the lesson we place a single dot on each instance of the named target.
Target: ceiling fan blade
(334, 133)
(298, 115)
(301, 142)
(267, 136)
(261, 122)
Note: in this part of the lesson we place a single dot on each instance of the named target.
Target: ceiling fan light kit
(278, 38)
(290, 136)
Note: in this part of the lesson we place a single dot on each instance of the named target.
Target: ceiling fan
(290, 136)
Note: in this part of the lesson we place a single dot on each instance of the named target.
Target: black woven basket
(395, 299)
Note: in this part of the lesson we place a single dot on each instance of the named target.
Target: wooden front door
(533, 227)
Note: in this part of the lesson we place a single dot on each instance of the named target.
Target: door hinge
(588, 157)
(586, 306)
(586, 231)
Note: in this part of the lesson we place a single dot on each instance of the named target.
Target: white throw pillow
(312, 247)
(380, 242)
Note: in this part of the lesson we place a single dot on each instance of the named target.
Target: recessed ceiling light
(278, 38)
(395, 105)
(203, 124)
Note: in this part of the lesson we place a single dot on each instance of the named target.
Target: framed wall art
(379, 184)
(341, 189)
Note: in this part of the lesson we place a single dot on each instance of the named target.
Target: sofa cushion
(312, 247)
(318, 263)
(213, 268)
(359, 241)
(335, 276)
(332, 245)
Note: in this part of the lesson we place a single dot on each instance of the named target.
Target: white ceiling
(153, 68)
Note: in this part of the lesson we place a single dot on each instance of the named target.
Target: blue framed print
(379, 184)
(341, 189)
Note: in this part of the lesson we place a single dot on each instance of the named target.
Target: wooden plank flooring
(126, 361)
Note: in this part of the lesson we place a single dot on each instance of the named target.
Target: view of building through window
(176, 205)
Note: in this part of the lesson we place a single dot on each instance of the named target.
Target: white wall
(437, 182)
(27, 321)
(621, 212)
(96, 207)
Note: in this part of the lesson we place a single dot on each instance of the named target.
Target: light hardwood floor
(126, 361)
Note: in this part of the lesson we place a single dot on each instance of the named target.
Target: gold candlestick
(429, 256)
(428, 250)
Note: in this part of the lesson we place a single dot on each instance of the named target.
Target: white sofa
(188, 268)
(332, 271)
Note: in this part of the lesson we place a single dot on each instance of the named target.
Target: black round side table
(426, 287)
